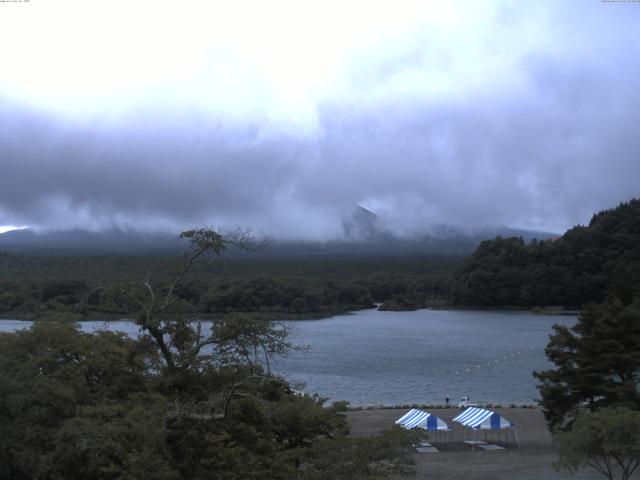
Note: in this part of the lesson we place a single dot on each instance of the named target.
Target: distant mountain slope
(365, 240)
(81, 242)
(361, 224)
(585, 265)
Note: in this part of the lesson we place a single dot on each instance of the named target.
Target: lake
(372, 357)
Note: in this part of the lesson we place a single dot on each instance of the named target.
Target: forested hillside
(79, 287)
(586, 264)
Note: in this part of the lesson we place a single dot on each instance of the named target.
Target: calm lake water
(372, 357)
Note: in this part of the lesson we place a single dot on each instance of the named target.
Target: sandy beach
(457, 460)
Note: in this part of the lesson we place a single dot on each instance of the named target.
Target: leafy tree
(365, 458)
(48, 374)
(607, 440)
(75, 405)
(597, 363)
(123, 440)
(178, 342)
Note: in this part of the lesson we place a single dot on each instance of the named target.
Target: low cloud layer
(513, 115)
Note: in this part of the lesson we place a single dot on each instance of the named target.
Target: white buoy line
(493, 361)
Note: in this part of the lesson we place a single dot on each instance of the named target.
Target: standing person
(446, 399)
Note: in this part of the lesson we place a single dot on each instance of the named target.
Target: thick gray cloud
(519, 116)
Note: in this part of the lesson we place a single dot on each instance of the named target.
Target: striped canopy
(481, 419)
(419, 418)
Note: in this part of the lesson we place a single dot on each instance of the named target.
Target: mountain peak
(361, 224)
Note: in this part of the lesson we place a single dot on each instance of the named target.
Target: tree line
(92, 287)
(586, 264)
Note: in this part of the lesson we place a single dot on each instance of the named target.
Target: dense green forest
(586, 264)
(77, 287)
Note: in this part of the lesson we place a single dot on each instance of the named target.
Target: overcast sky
(284, 115)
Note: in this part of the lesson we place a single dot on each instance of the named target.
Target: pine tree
(597, 363)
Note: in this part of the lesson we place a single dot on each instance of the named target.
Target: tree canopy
(607, 440)
(597, 362)
(586, 264)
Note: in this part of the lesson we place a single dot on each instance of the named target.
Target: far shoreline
(286, 317)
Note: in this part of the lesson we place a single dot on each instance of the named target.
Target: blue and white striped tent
(419, 418)
(481, 419)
